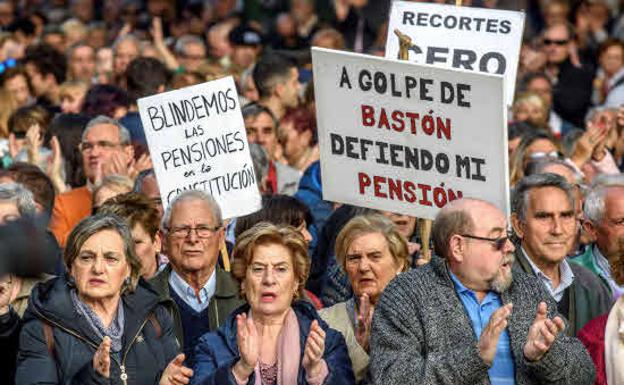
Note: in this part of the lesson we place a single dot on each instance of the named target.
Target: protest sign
(408, 138)
(197, 141)
(447, 36)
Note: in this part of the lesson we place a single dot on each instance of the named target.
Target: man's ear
(590, 228)
(518, 225)
(456, 248)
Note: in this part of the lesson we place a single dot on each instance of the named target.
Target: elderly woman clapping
(102, 324)
(372, 252)
(275, 338)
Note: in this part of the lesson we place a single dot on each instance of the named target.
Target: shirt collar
(601, 260)
(188, 293)
(565, 272)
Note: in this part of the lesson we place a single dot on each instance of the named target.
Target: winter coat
(421, 334)
(148, 343)
(217, 352)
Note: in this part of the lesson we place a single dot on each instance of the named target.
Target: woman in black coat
(102, 324)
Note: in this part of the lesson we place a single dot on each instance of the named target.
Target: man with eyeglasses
(105, 149)
(572, 80)
(197, 291)
(545, 221)
(469, 316)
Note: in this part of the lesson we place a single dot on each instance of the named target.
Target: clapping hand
(314, 349)
(101, 358)
(364, 318)
(542, 334)
(490, 335)
(248, 345)
(176, 373)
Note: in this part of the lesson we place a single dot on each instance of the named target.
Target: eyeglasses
(542, 155)
(555, 42)
(202, 231)
(499, 243)
(103, 144)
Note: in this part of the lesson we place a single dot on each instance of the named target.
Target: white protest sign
(408, 138)
(197, 141)
(474, 39)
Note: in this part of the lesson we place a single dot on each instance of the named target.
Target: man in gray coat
(471, 317)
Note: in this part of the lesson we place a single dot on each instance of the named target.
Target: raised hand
(143, 163)
(364, 317)
(585, 145)
(542, 333)
(248, 345)
(314, 349)
(101, 358)
(54, 166)
(490, 335)
(33, 143)
(176, 373)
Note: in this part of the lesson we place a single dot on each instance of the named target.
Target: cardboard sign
(408, 138)
(447, 36)
(197, 141)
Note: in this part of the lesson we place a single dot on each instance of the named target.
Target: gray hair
(183, 41)
(124, 134)
(21, 196)
(100, 222)
(193, 195)
(594, 205)
(140, 179)
(128, 37)
(452, 219)
(520, 193)
(538, 167)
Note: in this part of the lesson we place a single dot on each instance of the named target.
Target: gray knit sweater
(422, 335)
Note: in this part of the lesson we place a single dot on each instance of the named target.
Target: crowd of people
(102, 284)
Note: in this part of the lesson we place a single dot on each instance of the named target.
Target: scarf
(115, 330)
(614, 344)
(288, 352)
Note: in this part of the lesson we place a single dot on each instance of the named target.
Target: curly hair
(265, 233)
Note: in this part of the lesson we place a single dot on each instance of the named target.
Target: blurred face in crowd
(40, 83)
(609, 233)
(83, 10)
(146, 248)
(100, 267)
(124, 53)
(7, 13)
(149, 188)
(218, 43)
(82, 63)
(530, 111)
(541, 87)
(243, 56)
(294, 143)
(270, 283)
(405, 224)
(188, 251)
(100, 144)
(556, 44)
(55, 40)
(261, 129)
(194, 55)
(72, 100)
(540, 148)
(18, 87)
(549, 227)
(290, 90)
(482, 265)
(302, 10)
(612, 59)
(370, 265)
(8, 212)
(555, 13)
(285, 25)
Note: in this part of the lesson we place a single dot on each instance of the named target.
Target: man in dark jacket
(544, 219)
(200, 294)
(468, 318)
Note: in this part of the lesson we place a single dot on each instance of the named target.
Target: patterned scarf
(115, 330)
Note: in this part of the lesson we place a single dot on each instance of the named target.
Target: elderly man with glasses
(198, 292)
(472, 317)
(545, 221)
(105, 149)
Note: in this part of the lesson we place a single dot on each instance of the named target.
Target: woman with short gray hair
(102, 323)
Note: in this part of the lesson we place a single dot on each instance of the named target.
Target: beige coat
(337, 318)
(21, 301)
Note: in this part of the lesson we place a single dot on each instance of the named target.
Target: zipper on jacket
(124, 376)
